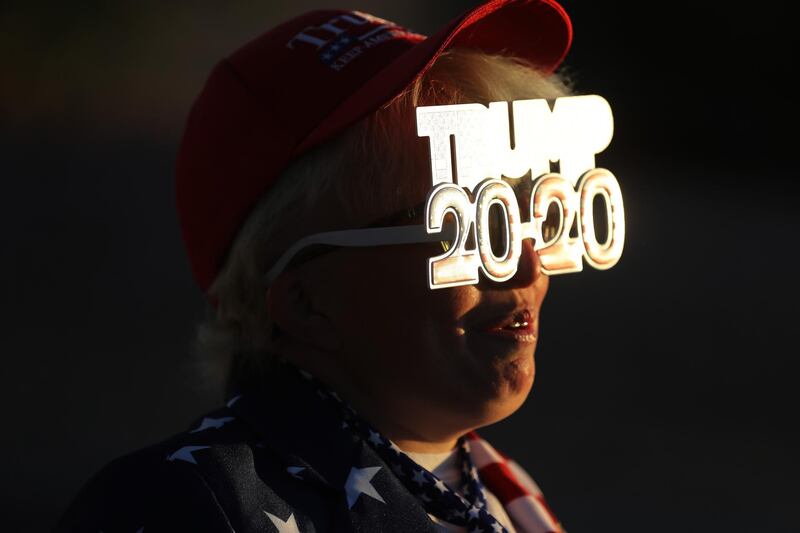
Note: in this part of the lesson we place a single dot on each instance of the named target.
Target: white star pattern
(440, 485)
(474, 511)
(295, 471)
(358, 482)
(216, 423)
(497, 527)
(233, 400)
(419, 477)
(185, 454)
(394, 448)
(375, 437)
(473, 473)
(287, 526)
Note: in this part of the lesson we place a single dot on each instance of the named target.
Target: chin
(516, 376)
(509, 389)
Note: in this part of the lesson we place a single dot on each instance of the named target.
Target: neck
(411, 425)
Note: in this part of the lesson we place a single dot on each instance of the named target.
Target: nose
(529, 270)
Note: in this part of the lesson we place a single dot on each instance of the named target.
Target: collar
(308, 435)
(322, 440)
(292, 421)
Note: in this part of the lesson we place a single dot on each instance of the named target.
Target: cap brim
(535, 30)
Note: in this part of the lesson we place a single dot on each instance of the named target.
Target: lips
(516, 326)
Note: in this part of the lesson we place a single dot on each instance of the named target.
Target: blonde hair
(367, 168)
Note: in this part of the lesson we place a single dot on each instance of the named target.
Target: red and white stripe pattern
(517, 492)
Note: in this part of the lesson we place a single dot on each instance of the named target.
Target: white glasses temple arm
(362, 237)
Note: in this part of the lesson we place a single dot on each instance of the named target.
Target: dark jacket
(275, 458)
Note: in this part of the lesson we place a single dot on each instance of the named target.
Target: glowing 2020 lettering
(476, 141)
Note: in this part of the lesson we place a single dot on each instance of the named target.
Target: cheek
(372, 295)
(541, 285)
(384, 303)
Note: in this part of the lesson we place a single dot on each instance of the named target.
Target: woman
(353, 390)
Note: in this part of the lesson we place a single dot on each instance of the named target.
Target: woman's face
(461, 356)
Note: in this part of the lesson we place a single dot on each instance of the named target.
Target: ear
(294, 307)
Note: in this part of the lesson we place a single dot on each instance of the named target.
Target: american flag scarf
(481, 464)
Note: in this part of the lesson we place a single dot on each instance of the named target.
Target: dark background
(666, 395)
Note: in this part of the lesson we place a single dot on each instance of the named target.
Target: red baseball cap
(308, 79)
